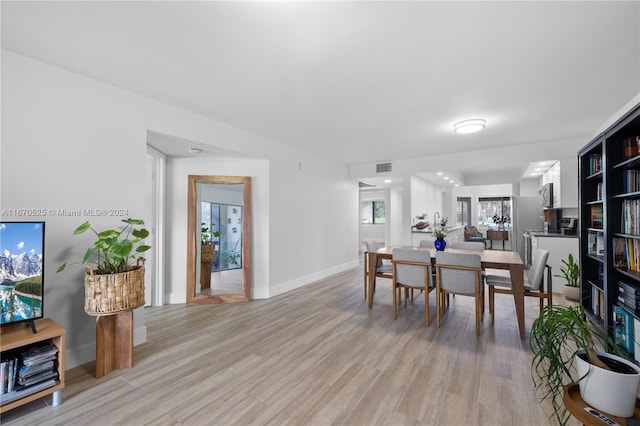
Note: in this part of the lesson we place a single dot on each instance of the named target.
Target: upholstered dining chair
(471, 233)
(382, 270)
(459, 273)
(467, 245)
(412, 271)
(426, 243)
(533, 282)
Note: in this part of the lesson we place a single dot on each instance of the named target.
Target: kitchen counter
(552, 234)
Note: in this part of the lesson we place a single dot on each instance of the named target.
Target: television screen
(21, 271)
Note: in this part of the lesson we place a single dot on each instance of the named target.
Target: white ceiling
(357, 81)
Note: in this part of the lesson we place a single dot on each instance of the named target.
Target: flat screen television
(21, 272)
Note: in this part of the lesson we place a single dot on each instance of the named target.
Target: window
(373, 212)
(463, 211)
(494, 211)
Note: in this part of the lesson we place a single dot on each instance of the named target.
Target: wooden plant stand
(114, 342)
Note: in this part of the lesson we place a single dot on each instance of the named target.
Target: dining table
(490, 259)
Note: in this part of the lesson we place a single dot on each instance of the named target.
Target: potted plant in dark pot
(114, 268)
(568, 349)
(570, 271)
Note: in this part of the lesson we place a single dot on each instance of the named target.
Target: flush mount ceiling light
(195, 150)
(469, 126)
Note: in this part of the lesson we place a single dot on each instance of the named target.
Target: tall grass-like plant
(556, 336)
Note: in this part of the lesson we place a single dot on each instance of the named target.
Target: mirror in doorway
(218, 239)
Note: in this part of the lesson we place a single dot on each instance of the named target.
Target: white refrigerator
(525, 217)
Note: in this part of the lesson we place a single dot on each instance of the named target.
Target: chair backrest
(459, 280)
(414, 275)
(426, 243)
(467, 245)
(536, 272)
(372, 245)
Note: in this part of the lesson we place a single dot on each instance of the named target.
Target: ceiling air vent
(383, 167)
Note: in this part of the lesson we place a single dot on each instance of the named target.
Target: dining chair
(426, 243)
(382, 270)
(467, 245)
(459, 273)
(412, 271)
(533, 282)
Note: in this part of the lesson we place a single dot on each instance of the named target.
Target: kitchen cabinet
(564, 177)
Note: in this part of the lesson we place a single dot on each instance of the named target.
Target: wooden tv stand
(21, 335)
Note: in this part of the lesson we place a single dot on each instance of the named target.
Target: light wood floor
(313, 356)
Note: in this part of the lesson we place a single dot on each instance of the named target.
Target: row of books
(626, 253)
(629, 296)
(595, 163)
(595, 243)
(629, 220)
(26, 367)
(597, 302)
(631, 146)
(631, 180)
(596, 216)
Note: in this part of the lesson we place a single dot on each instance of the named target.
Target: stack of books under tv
(27, 370)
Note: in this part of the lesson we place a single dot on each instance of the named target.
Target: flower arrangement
(444, 221)
(501, 219)
(439, 233)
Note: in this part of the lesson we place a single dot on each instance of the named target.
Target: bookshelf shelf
(609, 209)
(20, 336)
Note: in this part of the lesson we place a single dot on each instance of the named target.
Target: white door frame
(157, 210)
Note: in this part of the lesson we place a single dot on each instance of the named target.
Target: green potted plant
(114, 268)
(568, 348)
(570, 271)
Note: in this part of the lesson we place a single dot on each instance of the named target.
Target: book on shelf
(636, 340)
(620, 253)
(624, 328)
(629, 223)
(595, 163)
(631, 146)
(631, 180)
(597, 302)
(626, 253)
(629, 289)
(28, 366)
(599, 191)
(596, 216)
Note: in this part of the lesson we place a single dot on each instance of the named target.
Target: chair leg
(478, 298)
(395, 291)
(492, 303)
(438, 307)
(426, 307)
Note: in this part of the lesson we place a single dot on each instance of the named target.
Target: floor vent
(383, 167)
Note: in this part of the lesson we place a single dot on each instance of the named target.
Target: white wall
(69, 142)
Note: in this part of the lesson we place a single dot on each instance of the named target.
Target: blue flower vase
(440, 244)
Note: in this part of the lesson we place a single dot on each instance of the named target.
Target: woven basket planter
(112, 293)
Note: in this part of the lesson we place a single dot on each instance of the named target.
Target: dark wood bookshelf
(605, 189)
